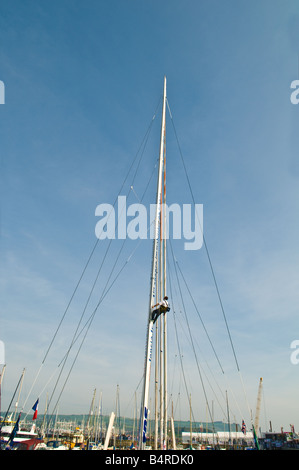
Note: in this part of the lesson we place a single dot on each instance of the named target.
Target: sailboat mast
(156, 389)
(164, 293)
(163, 318)
(153, 288)
(161, 324)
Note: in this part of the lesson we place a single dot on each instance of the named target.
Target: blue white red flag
(243, 427)
(35, 408)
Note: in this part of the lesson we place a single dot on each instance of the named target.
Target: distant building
(277, 440)
(221, 438)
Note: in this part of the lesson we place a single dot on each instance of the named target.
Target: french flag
(35, 408)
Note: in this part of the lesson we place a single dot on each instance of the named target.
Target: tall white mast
(164, 293)
(153, 288)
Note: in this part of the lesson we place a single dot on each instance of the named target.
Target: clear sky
(82, 83)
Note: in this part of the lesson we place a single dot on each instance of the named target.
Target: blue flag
(14, 431)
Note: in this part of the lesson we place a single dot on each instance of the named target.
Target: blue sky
(82, 82)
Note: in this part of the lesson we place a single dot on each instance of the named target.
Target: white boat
(23, 439)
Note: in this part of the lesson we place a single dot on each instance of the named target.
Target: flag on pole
(255, 438)
(35, 408)
(243, 427)
(14, 432)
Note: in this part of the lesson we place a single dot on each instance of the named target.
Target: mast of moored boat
(164, 293)
(153, 287)
(1, 378)
(156, 390)
(190, 424)
(163, 318)
(161, 323)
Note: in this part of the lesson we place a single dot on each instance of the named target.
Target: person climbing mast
(163, 307)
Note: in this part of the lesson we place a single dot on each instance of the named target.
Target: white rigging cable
(142, 145)
(210, 264)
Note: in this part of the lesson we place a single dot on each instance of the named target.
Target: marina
(70, 435)
(149, 201)
(155, 427)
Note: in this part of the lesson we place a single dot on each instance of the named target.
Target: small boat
(23, 439)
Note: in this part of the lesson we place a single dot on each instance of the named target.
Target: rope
(191, 338)
(106, 290)
(142, 145)
(204, 327)
(217, 358)
(206, 247)
(210, 262)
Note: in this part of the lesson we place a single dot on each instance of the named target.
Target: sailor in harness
(162, 307)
